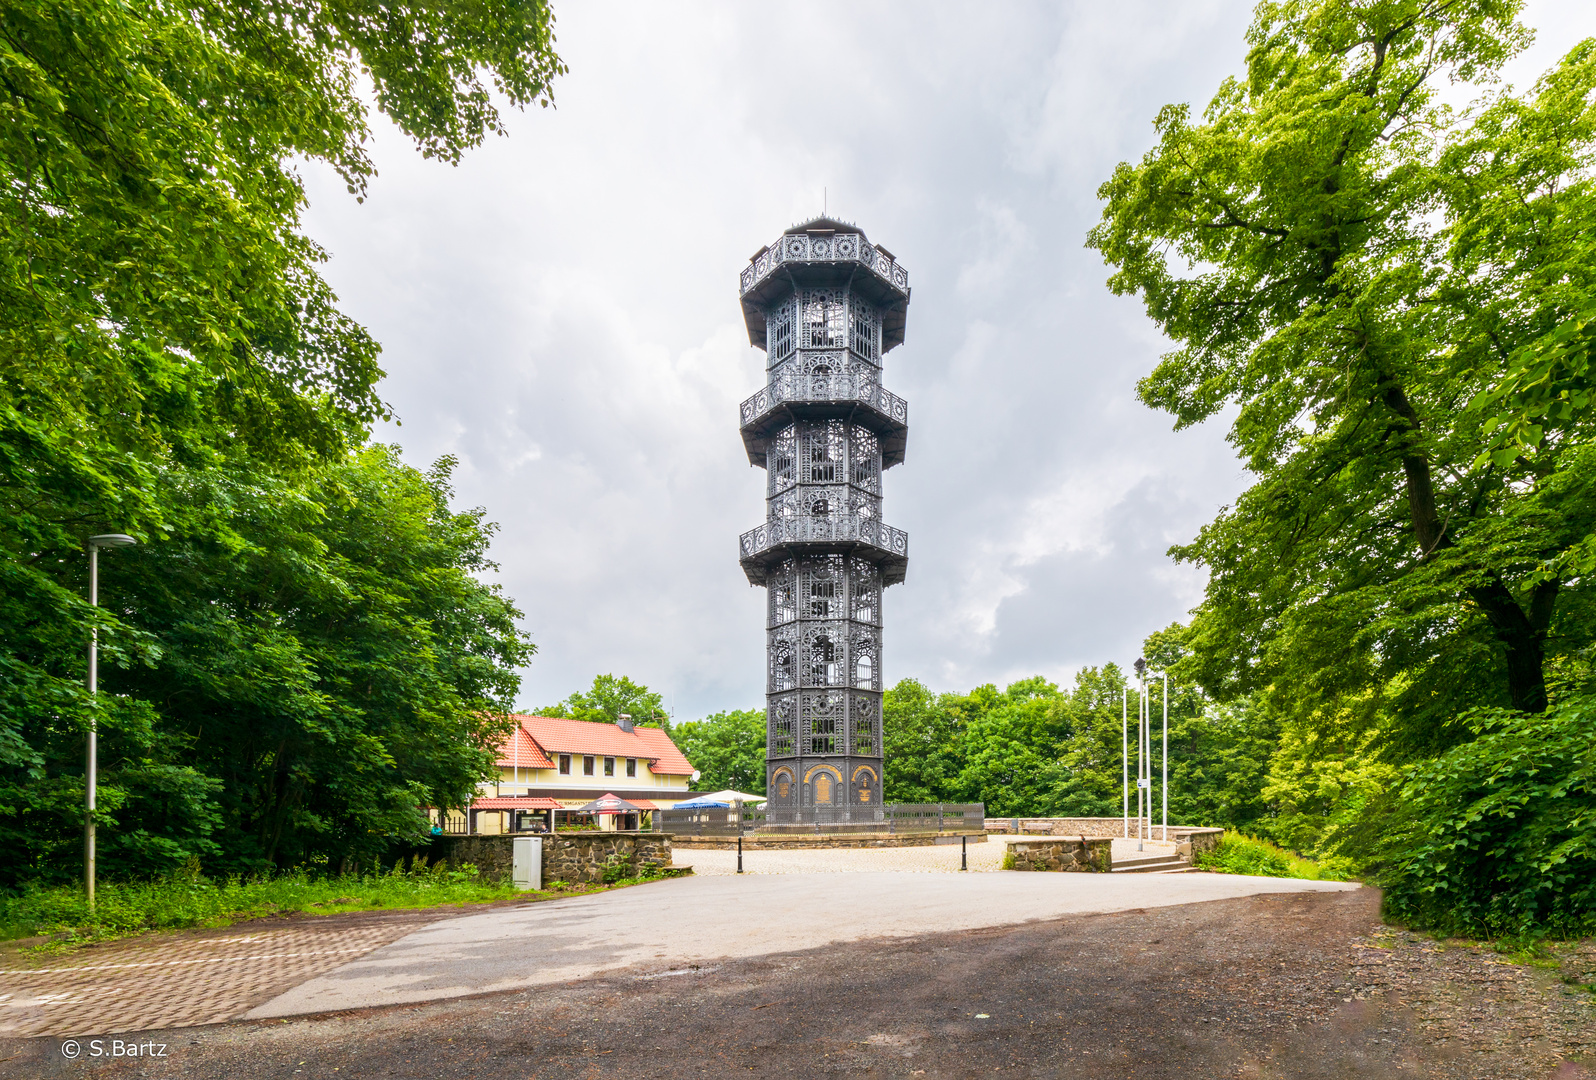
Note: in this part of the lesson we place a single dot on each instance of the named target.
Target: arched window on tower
(824, 319)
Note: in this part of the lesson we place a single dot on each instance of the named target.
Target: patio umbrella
(608, 804)
(730, 795)
(706, 803)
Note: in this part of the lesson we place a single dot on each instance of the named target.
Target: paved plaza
(787, 900)
(984, 857)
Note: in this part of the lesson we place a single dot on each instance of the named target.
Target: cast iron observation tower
(825, 304)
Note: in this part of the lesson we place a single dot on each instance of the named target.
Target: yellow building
(550, 765)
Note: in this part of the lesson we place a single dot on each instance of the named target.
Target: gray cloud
(560, 313)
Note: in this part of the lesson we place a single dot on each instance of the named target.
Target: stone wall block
(1091, 856)
(570, 857)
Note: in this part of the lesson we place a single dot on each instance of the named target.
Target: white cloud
(560, 312)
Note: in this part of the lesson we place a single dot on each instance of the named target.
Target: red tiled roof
(518, 749)
(559, 736)
(515, 802)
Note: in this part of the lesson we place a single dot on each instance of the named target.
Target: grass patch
(1241, 854)
(189, 899)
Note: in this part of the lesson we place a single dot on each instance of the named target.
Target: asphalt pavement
(682, 926)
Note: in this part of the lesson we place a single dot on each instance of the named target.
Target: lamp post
(1124, 755)
(91, 771)
(1141, 748)
(1163, 759)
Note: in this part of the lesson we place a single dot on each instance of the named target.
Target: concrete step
(1154, 864)
(1144, 859)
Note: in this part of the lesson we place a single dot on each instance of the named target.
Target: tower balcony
(825, 252)
(855, 395)
(760, 549)
(824, 247)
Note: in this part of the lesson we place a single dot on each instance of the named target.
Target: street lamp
(92, 769)
(1143, 764)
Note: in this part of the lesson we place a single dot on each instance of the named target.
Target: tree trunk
(1524, 641)
(1523, 635)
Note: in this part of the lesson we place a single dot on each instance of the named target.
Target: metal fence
(900, 818)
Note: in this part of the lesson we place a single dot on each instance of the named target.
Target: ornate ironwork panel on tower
(826, 305)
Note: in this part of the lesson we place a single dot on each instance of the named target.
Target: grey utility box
(527, 862)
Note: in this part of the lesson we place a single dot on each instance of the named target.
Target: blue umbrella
(701, 804)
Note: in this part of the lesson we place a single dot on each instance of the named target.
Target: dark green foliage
(1034, 750)
(727, 749)
(317, 662)
(1497, 837)
(280, 678)
(923, 738)
(1219, 766)
(1366, 279)
(1393, 302)
(609, 699)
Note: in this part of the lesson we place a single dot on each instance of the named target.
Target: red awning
(643, 804)
(516, 802)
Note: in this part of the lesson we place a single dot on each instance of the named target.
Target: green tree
(317, 661)
(1086, 780)
(1348, 265)
(923, 737)
(727, 749)
(609, 699)
(170, 358)
(1010, 739)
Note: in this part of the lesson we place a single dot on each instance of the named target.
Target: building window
(565, 764)
(631, 766)
(609, 766)
(587, 765)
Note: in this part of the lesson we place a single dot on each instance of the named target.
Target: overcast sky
(560, 313)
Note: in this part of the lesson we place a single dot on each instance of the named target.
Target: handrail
(838, 247)
(846, 386)
(831, 527)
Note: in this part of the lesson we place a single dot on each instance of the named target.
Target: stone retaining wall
(1081, 855)
(1190, 837)
(571, 857)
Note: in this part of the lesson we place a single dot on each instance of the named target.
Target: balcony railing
(838, 247)
(834, 528)
(849, 386)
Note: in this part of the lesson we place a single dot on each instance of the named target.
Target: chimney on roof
(624, 722)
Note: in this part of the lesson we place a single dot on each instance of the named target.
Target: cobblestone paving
(938, 859)
(200, 977)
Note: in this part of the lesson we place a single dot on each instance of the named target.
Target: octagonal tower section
(826, 305)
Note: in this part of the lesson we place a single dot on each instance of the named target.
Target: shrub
(1497, 837)
(189, 898)
(1240, 854)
